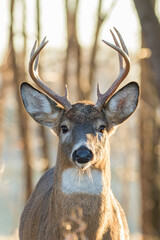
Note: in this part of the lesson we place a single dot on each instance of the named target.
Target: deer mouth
(83, 166)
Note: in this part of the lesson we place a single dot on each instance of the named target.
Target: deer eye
(101, 128)
(64, 129)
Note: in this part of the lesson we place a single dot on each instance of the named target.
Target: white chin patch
(76, 181)
(83, 166)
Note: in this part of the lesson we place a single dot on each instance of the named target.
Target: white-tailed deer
(81, 177)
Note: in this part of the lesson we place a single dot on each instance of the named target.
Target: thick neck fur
(86, 191)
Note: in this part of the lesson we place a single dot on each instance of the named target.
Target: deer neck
(89, 192)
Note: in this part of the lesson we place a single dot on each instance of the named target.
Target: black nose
(82, 155)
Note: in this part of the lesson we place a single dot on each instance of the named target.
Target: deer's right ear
(40, 107)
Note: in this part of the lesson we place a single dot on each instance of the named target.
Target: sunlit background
(53, 24)
(125, 156)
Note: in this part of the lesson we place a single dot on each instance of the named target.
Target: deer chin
(83, 166)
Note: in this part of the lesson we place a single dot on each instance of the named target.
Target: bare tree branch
(100, 20)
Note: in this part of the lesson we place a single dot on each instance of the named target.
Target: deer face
(83, 135)
(83, 130)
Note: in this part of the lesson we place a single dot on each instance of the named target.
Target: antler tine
(33, 70)
(123, 72)
(117, 44)
(121, 41)
(37, 58)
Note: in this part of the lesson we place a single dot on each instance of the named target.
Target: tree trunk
(21, 114)
(151, 32)
(150, 120)
(92, 63)
(149, 156)
(73, 51)
(43, 133)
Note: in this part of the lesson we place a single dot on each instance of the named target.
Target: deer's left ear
(122, 104)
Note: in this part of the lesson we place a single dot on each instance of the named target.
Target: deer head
(84, 127)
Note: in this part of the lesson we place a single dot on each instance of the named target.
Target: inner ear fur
(40, 107)
(122, 104)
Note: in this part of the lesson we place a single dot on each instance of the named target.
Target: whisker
(89, 173)
(80, 173)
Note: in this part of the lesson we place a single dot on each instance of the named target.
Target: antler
(123, 72)
(33, 71)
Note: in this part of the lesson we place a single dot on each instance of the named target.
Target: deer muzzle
(82, 155)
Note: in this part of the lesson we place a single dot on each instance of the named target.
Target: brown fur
(39, 218)
(49, 206)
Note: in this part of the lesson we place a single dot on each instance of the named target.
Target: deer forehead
(82, 112)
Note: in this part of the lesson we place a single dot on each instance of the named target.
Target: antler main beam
(123, 72)
(33, 71)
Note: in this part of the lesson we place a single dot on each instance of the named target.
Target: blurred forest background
(76, 56)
